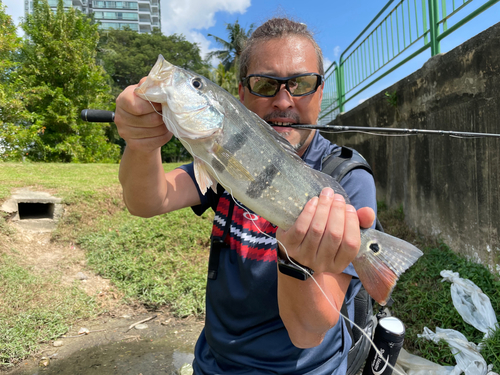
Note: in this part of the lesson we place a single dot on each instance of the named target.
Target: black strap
(217, 243)
(341, 162)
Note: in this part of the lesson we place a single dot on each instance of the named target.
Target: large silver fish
(234, 147)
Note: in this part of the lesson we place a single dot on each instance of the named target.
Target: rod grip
(97, 115)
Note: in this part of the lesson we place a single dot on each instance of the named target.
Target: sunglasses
(268, 86)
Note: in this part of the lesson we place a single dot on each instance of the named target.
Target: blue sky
(335, 23)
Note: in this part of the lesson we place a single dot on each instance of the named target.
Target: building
(140, 15)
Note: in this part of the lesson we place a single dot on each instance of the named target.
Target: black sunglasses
(268, 86)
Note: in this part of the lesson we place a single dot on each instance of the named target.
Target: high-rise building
(140, 15)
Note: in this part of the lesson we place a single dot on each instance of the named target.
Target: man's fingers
(366, 217)
(351, 241)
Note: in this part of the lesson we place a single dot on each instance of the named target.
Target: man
(259, 320)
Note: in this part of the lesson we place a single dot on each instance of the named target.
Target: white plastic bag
(410, 364)
(469, 360)
(471, 303)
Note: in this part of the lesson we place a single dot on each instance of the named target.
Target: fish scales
(234, 147)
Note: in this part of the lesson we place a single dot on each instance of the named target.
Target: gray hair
(272, 29)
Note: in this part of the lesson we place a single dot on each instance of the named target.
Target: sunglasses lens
(302, 85)
(264, 86)
(298, 86)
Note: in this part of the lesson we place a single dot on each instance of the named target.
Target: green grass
(159, 261)
(421, 299)
(35, 309)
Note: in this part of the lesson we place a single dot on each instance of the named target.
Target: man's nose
(283, 99)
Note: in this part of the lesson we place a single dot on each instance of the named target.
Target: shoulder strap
(341, 162)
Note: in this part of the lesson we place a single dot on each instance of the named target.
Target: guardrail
(403, 31)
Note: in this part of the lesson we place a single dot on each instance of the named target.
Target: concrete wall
(449, 187)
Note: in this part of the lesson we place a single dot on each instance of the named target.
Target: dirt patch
(38, 252)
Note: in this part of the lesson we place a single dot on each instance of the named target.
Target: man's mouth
(283, 126)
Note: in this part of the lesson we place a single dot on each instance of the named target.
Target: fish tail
(382, 258)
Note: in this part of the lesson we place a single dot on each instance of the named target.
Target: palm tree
(232, 49)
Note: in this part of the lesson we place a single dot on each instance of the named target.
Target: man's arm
(326, 238)
(147, 189)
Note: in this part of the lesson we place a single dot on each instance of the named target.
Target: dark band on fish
(262, 181)
(235, 142)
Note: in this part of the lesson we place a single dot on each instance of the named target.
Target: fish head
(189, 105)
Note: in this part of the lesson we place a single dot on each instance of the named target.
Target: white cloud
(326, 63)
(336, 52)
(187, 17)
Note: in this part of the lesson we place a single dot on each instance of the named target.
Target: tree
(15, 137)
(227, 79)
(230, 54)
(127, 56)
(58, 77)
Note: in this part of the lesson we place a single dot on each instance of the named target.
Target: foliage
(128, 56)
(232, 48)
(9, 43)
(392, 98)
(227, 79)
(421, 299)
(14, 140)
(58, 77)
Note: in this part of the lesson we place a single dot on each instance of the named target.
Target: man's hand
(326, 235)
(139, 122)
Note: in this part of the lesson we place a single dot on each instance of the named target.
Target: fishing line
(394, 135)
(280, 243)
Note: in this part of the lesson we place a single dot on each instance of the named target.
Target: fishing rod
(375, 130)
(98, 115)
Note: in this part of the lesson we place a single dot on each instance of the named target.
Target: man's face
(285, 57)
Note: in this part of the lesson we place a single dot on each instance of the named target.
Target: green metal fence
(399, 32)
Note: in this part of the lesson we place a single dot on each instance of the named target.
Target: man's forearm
(143, 180)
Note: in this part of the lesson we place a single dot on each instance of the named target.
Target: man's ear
(321, 94)
(241, 92)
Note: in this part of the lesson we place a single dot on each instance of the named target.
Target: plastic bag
(469, 360)
(471, 303)
(410, 364)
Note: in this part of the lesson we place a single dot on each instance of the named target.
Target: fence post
(340, 84)
(434, 27)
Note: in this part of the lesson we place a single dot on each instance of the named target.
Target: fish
(234, 147)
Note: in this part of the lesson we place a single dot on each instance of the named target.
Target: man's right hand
(139, 122)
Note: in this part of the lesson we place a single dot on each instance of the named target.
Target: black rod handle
(97, 115)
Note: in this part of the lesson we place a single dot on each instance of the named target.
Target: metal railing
(405, 29)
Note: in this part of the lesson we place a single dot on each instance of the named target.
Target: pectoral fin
(202, 176)
(233, 166)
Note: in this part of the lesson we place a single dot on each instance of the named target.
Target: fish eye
(197, 83)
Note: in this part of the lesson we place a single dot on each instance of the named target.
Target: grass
(35, 309)
(159, 261)
(162, 262)
(421, 299)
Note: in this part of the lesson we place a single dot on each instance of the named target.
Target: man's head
(283, 48)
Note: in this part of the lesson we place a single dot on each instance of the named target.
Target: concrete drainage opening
(33, 210)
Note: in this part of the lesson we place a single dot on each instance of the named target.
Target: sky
(336, 23)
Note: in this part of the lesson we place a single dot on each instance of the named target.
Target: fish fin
(233, 166)
(381, 260)
(202, 176)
